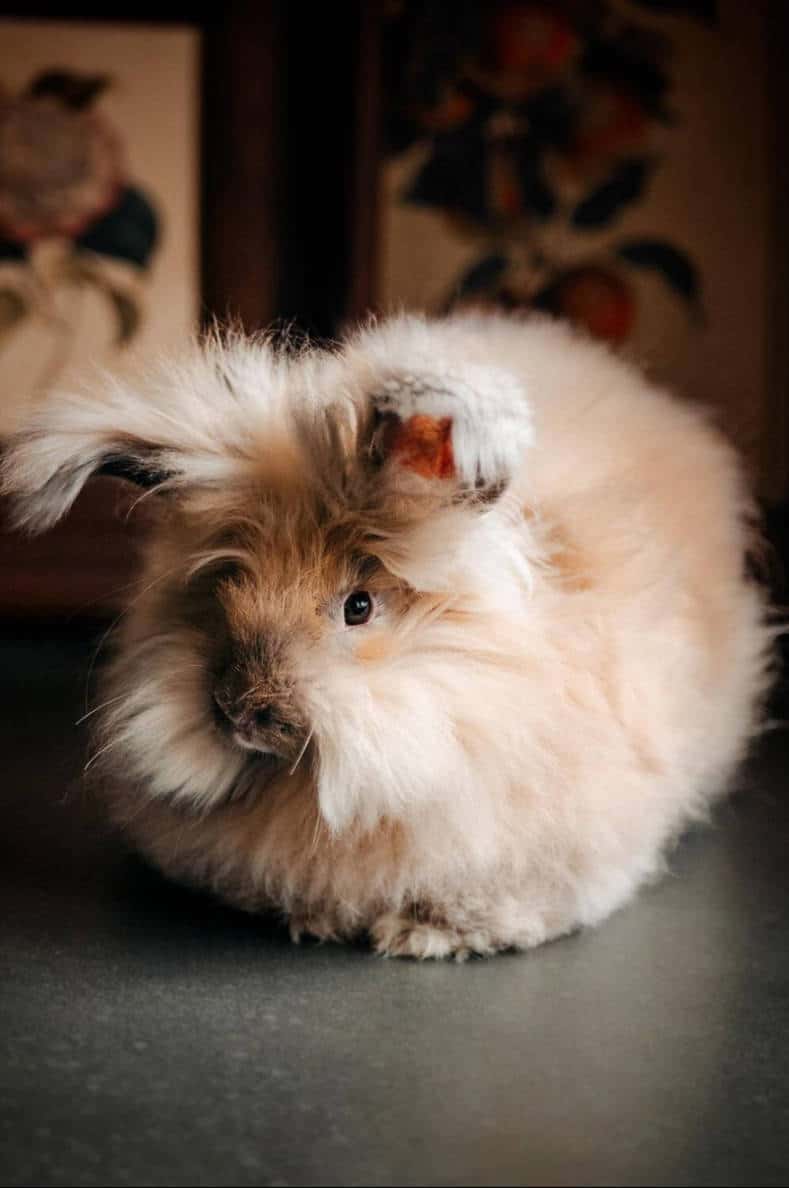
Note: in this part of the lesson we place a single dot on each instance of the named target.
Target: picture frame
(84, 566)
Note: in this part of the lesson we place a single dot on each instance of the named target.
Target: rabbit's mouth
(261, 749)
(270, 755)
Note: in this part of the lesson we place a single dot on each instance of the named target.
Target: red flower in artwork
(597, 299)
(451, 111)
(60, 166)
(62, 179)
(530, 38)
(612, 123)
(530, 43)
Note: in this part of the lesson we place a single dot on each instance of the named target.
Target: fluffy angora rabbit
(442, 636)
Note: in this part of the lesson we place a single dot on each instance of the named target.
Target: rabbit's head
(333, 576)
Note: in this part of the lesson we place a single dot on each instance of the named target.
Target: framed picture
(137, 199)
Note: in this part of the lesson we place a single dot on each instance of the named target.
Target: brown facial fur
(263, 583)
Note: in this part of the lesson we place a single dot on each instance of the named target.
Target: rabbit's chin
(381, 743)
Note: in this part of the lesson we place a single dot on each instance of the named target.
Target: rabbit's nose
(262, 717)
(240, 714)
(257, 726)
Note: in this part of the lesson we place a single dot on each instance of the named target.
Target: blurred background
(617, 162)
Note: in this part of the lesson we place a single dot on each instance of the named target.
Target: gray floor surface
(151, 1036)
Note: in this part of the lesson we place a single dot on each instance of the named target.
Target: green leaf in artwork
(13, 308)
(12, 251)
(453, 178)
(624, 185)
(482, 276)
(128, 314)
(102, 275)
(674, 265)
(72, 89)
(128, 232)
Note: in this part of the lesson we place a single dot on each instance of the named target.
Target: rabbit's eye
(358, 608)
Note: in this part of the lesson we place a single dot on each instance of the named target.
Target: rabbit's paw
(399, 935)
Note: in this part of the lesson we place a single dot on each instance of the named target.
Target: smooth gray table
(150, 1036)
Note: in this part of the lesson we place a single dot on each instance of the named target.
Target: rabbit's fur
(564, 663)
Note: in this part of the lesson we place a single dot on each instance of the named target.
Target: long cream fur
(565, 664)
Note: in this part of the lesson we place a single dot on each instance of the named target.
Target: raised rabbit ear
(470, 426)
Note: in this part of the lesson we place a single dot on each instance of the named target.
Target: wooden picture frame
(774, 459)
(85, 565)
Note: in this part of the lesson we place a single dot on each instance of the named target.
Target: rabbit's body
(563, 666)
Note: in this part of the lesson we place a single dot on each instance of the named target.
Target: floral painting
(63, 180)
(532, 127)
(99, 199)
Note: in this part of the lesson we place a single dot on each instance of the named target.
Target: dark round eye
(358, 608)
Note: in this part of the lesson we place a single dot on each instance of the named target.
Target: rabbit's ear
(47, 463)
(421, 444)
(194, 419)
(142, 466)
(161, 435)
(471, 427)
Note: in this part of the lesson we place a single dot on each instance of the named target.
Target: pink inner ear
(422, 444)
